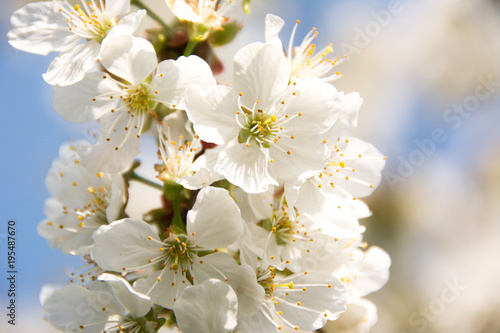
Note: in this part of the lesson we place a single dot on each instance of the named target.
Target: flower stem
(190, 47)
(155, 17)
(133, 176)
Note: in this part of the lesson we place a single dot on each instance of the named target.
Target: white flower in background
(81, 202)
(129, 245)
(178, 147)
(358, 318)
(304, 301)
(126, 100)
(300, 242)
(206, 15)
(108, 305)
(76, 32)
(354, 170)
(269, 131)
(366, 271)
(304, 60)
(211, 306)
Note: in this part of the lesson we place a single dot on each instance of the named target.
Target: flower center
(139, 99)
(259, 126)
(91, 22)
(178, 252)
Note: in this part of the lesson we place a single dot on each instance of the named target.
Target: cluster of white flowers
(259, 228)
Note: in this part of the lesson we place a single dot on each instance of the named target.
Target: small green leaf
(246, 6)
(226, 35)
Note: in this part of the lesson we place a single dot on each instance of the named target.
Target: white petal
(172, 78)
(358, 318)
(86, 100)
(240, 277)
(213, 113)
(117, 198)
(261, 72)
(246, 167)
(317, 102)
(362, 172)
(71, 65)
(117, 7)
(274, 24)
(335, 214)
(348, 117)
(70, 238)
(127, 25)
(125, 244)
(135, 303)
(73, 306)
(209, 307)
(257, 322)
(164, 287)
(128, 57)
(40, 28)
(372, 270)
(324, 294)
(127, 141)
(308, 156)
(215, 219)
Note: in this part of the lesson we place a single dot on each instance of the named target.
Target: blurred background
(429, 73)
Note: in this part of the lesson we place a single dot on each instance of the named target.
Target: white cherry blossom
(206, 15)
(108, 305)
(129, 245)
(304, 60)
(354, 170)
(75, 31)
(81, 202)
(211, 306)
(269, 131)
(125, 98)
(304, 301)
(178, 147)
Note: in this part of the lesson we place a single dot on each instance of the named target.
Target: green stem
(133, 176)
(190, 47)
(177, 218)
(155, 17)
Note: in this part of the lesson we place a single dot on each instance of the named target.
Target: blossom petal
(274, 24)
(348, 117)
(215, 219)
(246, 167)
(164, 287)
(135, 303)
(308, 156)
(71, 65)
(261, 72)
(40, 28)
(61, 306)
(371, 269)
(124, 245)
(240, 277)
(213, 113)
(117, 7)
(128, 57)
(173, 76)
(306, 309)
(313, 109)
(119, 140)
(127, 25)
(208, 307)
(87, 99)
